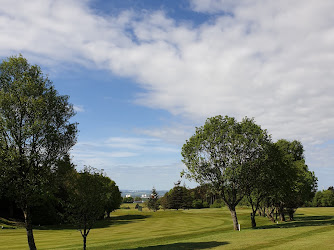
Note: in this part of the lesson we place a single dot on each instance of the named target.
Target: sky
(143, 74)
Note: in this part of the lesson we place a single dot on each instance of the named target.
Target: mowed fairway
(187, 229)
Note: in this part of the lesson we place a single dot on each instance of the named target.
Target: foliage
(222, 153)
(301, 183)
(197, 204)
(113, 196)
(88, 200)
(35, 131)
(217, 204)
(324, 198)
(138, 198)
(128, 200)
(153, 201)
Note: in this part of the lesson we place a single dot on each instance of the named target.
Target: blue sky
(143, 74)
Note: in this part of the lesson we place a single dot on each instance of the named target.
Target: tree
(300, 182)
(264, 179)
(221, 153)
(165, 201)
(153, 201)
(35, 131)
(88, 200)
(114, 197)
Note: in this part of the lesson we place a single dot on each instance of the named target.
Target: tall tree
(35, 131)
(221, 153)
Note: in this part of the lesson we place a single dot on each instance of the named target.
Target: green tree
(153, 201)
(300, 182)
(165, 201)
(324, 198)
(264, 179)
(221, 154)
(35, 131)
(114, 198)
(88, 200)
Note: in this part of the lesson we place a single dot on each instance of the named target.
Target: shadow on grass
(114, 220)
(186, 245)
(303, 221)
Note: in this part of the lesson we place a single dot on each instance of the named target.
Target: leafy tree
(88, 200)
(35, 131)
(153, 201)
(264, 179)
(301, 182)
(221, 153)
(114, 198)
(63, 175)
(165, 201)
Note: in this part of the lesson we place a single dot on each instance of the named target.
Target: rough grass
(189, 229)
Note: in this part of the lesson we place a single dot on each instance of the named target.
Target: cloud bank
(272, 60)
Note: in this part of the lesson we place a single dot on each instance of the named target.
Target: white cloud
(271, 60)
(78, 108)
(175, 134)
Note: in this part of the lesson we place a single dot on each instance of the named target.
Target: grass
(185, 229)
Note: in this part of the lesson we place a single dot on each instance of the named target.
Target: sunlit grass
(187, 229)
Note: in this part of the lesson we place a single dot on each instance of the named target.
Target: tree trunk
(84, 241)
(253, 220)
(234, 218)
(281, 213)
(28, 225)
(291, 212)
(270, 214)
(84, 235)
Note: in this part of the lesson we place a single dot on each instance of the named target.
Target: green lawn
(189, 229)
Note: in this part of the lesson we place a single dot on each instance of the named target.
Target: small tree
(88, 200)
(153, 201)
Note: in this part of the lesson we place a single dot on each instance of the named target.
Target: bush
(197, 204)
(217, 204)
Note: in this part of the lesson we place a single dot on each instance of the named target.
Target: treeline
(69, 192)
(324, 198)
(181, 197)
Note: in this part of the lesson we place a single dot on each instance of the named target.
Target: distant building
(127, 195)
